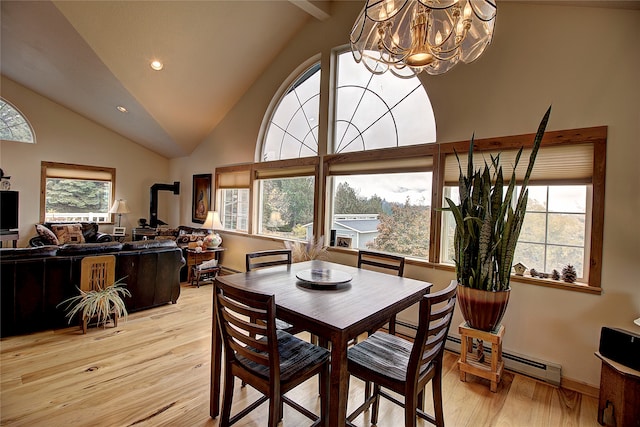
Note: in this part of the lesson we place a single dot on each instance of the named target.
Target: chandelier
(410, 36)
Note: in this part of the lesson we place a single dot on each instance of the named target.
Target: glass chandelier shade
(407, 37)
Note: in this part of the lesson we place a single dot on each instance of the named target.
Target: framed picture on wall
(201, 197)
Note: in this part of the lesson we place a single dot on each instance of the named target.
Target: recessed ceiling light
(157, 65)
(122, 109)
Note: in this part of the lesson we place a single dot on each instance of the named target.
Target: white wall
(584, 62)
(66, 137)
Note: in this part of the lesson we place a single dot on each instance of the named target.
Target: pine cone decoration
(569, 274)
(533, 272)
(555, 275)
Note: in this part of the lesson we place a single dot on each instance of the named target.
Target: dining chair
(406, 367)
(271, 258)
(270, 360)
(384, 262)
(268, 258)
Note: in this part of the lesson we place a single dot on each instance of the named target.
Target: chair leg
(410, 405)
(275, 410)
(84, 325)
(227, 396)
(367, 390)
(436, 384)
(376, 404)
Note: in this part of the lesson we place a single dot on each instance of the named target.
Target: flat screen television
(8, 210)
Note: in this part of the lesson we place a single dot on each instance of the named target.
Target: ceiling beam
(319, 9)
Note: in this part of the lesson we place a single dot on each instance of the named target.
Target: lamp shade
(119, 207)
(213, 221)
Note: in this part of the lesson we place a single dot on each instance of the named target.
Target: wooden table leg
(338, 382)
(216, 365)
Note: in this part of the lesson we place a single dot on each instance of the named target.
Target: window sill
(547, 283)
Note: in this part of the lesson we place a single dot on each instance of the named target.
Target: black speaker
(620, 346)
(332, 239)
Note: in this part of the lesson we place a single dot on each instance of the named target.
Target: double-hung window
(233, 184)
(561, 217)
(76, 192)
(382, 204)
(287, 196)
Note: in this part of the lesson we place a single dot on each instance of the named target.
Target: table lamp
(120, 207)
(213, 239)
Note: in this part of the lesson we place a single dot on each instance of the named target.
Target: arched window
(371, 112)
(379, 110)
(13, 125)
(293, 129)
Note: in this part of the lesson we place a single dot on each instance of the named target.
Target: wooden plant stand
(476, 364)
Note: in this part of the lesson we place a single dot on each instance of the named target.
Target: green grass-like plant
(487, 225)
(100, 303)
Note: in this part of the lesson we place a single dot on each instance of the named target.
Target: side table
(195, 258)
(142, 233)
(10, 236)
(475, 363)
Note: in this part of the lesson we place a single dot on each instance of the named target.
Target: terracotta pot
(482, 309)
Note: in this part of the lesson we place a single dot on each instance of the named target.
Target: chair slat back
(436, 313)
(381, 260)
(247, 325)
(270, 258)
(97, 272)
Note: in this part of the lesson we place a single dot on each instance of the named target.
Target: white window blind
(567, 164)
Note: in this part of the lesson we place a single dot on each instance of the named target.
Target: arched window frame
(21, 119)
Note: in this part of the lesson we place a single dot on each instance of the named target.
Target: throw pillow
(68, 233)
(48, 237)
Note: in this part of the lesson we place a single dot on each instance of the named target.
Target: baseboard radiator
(538, 369)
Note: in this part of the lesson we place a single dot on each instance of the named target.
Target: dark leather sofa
(89, 231)
(33, 281)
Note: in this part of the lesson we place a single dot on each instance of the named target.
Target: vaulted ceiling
(92, 56)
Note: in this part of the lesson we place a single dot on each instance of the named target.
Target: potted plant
(101, 303)
(487, 226)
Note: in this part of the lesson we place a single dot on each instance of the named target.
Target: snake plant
(487, 224)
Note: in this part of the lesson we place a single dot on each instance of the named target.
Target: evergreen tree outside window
(76, 193)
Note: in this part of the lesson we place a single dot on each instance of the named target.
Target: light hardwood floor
(153, 370)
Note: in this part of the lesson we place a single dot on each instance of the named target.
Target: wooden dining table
(335, 313)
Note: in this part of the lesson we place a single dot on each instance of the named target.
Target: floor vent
(539, 369)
